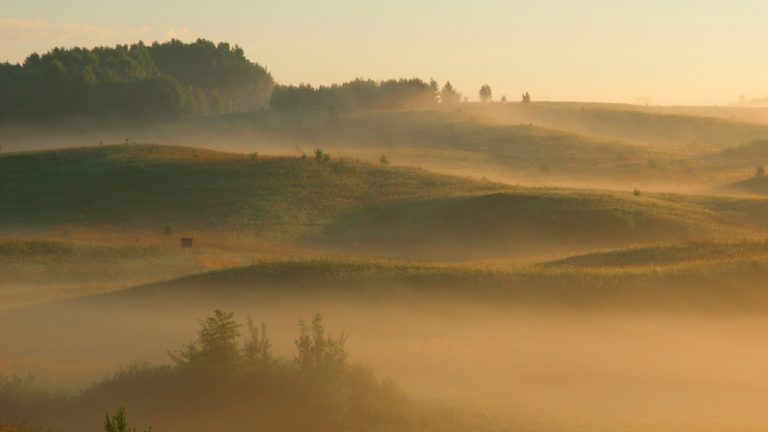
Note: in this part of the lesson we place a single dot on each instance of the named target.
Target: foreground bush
(222, 381)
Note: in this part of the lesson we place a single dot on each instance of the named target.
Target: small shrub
(322, 156)
(383, 160)
(636, 192)
(118, 422)
(759, 171)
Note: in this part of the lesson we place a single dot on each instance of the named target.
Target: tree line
(161, 80)
(359, 94)
(172, 79)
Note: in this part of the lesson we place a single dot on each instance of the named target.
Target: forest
(159, 81)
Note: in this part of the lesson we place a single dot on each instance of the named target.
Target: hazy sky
(672, 51)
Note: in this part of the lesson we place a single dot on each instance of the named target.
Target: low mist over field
(383, 226)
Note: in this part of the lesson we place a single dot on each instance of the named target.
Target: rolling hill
(456, 142)
(149, 186)
(530, 221)
(695, 253)
(660, 127)
(715, 283)
(342, 204)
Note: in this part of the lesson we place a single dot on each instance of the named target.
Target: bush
(220, 381)
(759, 171)
(321, 156)
(118, 422)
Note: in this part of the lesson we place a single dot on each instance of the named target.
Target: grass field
(450, 266)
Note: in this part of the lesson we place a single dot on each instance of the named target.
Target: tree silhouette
(486, 94)
(216, 345)
(449, 95)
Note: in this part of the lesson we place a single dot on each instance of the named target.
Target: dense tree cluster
(357, 95)
(137, 81)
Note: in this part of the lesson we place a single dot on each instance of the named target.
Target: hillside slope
(545, 220)
(342, 203)
(449, 141)
(754, 185)
(654, 126)
(149, 187)
(696, 253)
(712, 284)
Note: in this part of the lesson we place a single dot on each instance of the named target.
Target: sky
(694, 52)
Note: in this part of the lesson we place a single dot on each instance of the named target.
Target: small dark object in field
(636, 192)
(186, 242)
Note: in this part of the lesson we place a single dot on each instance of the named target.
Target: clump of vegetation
(636, 192)
(321, 156)
(526, 98)
(760, 171)
(119, 422)
(383, 160)
(485, 93)
(449, 95)
(220, 382)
